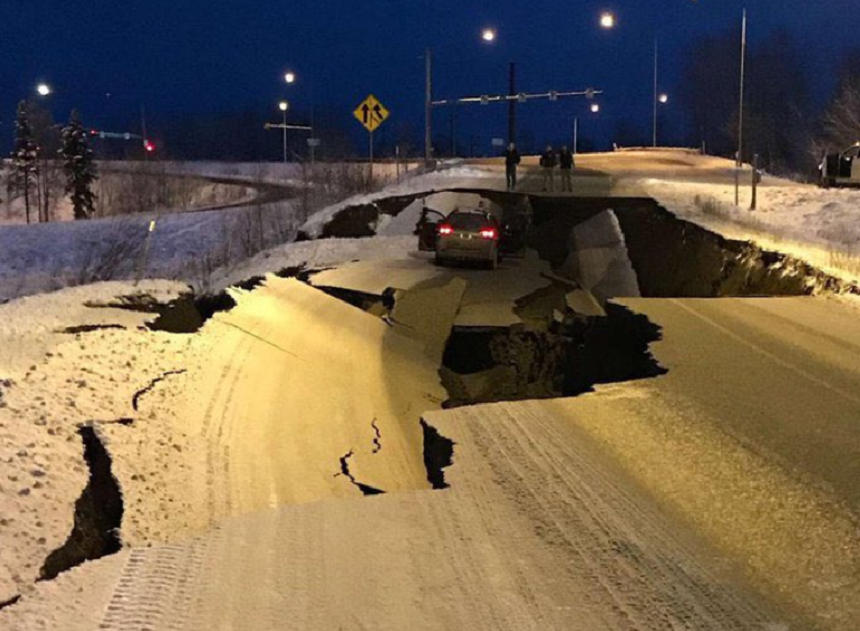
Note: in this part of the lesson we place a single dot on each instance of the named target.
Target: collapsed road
(702, 479)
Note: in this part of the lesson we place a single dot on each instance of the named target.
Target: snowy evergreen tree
(79, 166)
(24, 165)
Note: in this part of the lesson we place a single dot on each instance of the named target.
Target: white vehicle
(841, 169)
(468, 235)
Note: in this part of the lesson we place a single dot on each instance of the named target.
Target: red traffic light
(149, 146)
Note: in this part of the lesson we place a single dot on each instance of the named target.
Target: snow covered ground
(126, 188)
(53, 381)
(186, 246)
(266, 172)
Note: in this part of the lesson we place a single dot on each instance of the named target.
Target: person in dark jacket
(565, 164)
(512, 159)
(548, 162)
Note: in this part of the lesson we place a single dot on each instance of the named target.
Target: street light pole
(428, 107)
(741, 102)
(512, 104)
(283, 105)
(739, 155)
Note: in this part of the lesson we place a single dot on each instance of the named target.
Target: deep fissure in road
(565, 358)
(98, 513)
(671, 257)
(438, 455)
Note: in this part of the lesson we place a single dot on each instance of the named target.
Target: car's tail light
(446, 229)
(490, 233)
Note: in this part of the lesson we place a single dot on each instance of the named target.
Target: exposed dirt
(559, 357)
(353, 222)
(676, 258)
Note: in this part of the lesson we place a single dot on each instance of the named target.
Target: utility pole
(454, 131)
(512, 103)
(143, 132)
(313, 130)
(739, 156)
(284, 123)
(575, 133)
(741, 101)
(428, 107)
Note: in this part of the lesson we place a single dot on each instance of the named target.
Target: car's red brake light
(446, 229)
(490, 233)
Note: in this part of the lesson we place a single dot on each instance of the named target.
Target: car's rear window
(468, 221)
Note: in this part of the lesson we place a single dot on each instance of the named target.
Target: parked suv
(468, 235)
(841, 169)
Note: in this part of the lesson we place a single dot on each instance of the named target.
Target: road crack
(377, 440)
(135, 400)
(98, 513)
(344, 470)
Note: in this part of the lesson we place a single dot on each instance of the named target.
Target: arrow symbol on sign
(378, 111)
(365, 110)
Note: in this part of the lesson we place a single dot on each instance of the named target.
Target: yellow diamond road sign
(371, 113)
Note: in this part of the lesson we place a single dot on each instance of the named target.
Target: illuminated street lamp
(290, 77)
(663, 98)
(607, 20)
(43, 89)
(488, 35)
(595, 108)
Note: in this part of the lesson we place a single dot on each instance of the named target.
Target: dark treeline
(241, 136)
(784, 122)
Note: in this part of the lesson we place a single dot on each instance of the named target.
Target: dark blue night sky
(188, 56)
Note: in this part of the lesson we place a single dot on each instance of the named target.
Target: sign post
(371, 114)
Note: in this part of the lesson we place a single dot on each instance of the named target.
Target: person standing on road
(565, 164)
(512, 159)
(547, 163)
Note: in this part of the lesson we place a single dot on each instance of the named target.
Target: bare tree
(842, 118)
